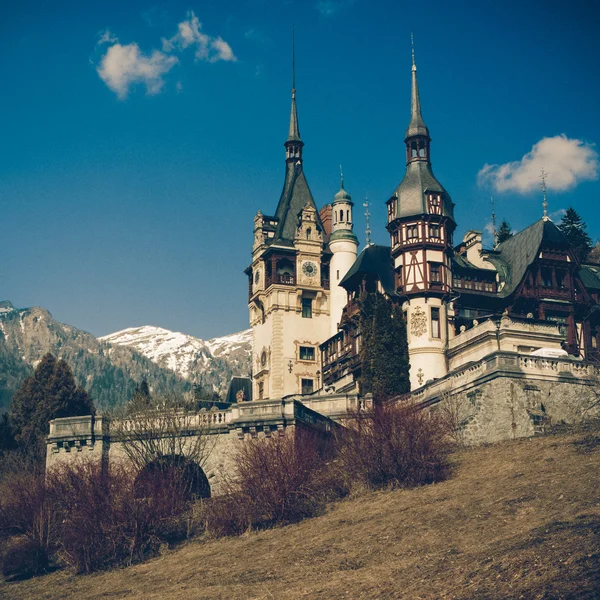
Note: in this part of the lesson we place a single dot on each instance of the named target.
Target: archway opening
(176, 473)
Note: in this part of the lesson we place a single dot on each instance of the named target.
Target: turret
(421, 225)
(344, 246)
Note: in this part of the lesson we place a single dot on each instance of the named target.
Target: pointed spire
(417, 125)
(341, 178)
(543, 177)
(294, 132)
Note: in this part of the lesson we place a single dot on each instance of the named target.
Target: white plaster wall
(426, 353)
(344, 256)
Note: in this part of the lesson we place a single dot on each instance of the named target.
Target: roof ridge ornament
(543, 177)
(294, 130)
(417, 124)
(367, 215)
(341, 178)
(412, 44)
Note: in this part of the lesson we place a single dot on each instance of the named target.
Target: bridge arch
(172, 470)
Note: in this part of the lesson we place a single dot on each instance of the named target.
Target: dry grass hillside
(517, 520)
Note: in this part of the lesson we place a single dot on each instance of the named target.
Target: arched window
(308, 233)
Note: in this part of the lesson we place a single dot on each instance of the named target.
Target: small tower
(343, 245)
(421, 224)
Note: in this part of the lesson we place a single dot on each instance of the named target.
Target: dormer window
(434, 202)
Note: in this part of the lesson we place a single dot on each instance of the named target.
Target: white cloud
(211, 49)
(567, 162)
(124, 66)
(328, 8)
(107, 37)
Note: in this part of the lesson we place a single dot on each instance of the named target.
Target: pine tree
(7, 439)
(504, 232)
(50, 393)
(384, 353)
(574, 228)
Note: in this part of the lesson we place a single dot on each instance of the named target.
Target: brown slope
(518, 520)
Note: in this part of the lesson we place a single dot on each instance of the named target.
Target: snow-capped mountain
(211, 362)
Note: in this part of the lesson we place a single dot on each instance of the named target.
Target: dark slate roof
(294, 197)
(460, 261)
(417, 125)
(418, 179)
(590, 276)
(373, 260)
(237, 384)
(519, 251)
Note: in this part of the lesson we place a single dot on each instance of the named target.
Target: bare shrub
(281, 479)
(394, 444)
(106, 523)
(454, 411)
(28, 523)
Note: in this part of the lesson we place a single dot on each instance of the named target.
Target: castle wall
(507, 395)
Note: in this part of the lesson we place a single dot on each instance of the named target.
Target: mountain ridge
(109, 371)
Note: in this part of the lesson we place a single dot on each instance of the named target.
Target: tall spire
(417, 125)
(294, 132)
(543, 177)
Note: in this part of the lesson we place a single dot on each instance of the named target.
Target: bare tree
(455, 411)
(165, 436)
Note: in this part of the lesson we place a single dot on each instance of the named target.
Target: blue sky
(138, 139)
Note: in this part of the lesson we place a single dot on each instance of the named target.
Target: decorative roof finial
(293, 60)
(294, 131)
(341, 178)
(417, 125)
(367, 215)
(543, 177)
(494, 230)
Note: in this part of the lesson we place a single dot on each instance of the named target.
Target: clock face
(309, 269)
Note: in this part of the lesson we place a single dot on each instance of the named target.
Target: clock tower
(288, 293)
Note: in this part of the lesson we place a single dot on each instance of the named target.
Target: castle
(508, 336)
(305, 279)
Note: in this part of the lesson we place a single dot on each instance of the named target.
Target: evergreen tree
(574, 228)
(50, 393)
(384, 352)
(7, 439)
(504, 232)
(142, 390)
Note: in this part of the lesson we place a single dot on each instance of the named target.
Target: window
(398, 277)
(306, 308)
(435, 204)
(256, 277)
(561, 279)
(261, 390)
(337, 274)
(434, 231)
(263, 359)
(307, 353)
(412, 232)
(307, 386)
(308, 233)
(434, 273)
(435, 323)
(546, 277)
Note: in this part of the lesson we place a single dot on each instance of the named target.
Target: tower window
(307, 353)
(547, 277)
(308, 233)
(347, 215)
(412, 232)
(261, 390)
(435, 323)
(434, 273)
(307, 386)
(306, 308)
(435, 204)
(434, 231)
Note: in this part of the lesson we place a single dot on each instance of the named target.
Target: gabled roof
(590, 276)
(519, 251)
(294, 197)
(373, 260)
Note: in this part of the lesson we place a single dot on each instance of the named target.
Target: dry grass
(517, 520)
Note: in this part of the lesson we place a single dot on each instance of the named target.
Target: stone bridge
(101, 438)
